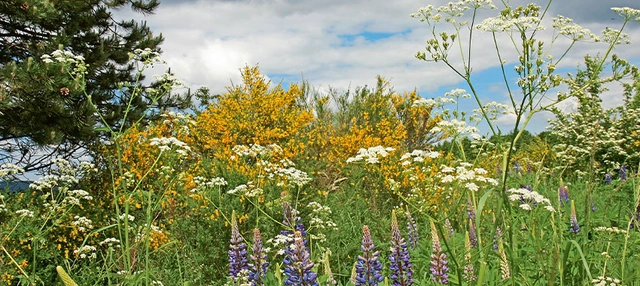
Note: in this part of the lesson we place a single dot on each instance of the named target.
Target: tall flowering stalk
(607, 179)
(400, 265)
(563, 195)
(439, 268)
(469, 271)
(368, 268)
(298, 264)
(623, 173)
(412, 228)
(575, 228)
(237, 251)
(258, 268)
(471, 216)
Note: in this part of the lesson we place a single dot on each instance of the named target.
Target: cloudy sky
(344, 44)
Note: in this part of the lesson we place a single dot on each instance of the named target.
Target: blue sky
(345, 44)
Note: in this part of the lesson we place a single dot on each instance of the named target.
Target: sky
(345, 44)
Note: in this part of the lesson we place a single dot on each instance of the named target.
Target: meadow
(275, 185)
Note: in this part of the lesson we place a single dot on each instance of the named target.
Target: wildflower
(471, 217)
(575, 228)
(496, 238)
(469, 273)
(327, 269)
(368, 268)
(401, 272)
(237, 250)
(563, 195)
(298, 265)
(448, 227)
(593, 206)
(439, 269)
(623, 173)
(258, 269)
(606, 281)
(607, 179)
(412, 228)
(635, 217)
(24, 213)
(504, 264)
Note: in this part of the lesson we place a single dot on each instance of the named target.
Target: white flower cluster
(320, 219)
(9, 169)
(279, 242)
(62, 57)
(129, 217)
(418, 156)
(84, 224)
(256, 150)
(110, 242)
(451, 10)
(24, 213)
(628, 14)
(167, 144)
(527, 198)
(371, 155)
(248, 190)
(203, 183)
(86, 251)
(147, 56)
(606, 281)
(293, 175)
(610, 230)
(503, 24)
(454, 126)
(566, 27)
(469, 178)
(614, 36)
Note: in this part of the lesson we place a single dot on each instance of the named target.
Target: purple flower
(447, 225)
(607, 179)
(593, 206)
(497, 237)
(439, 269)
(291, 220)
(258, 269)
(368, 268)
(575, 228)
(412, 228)
(563, 194)
(298, 265)
(400, 266)
(623, 173)
(237, 250)
(471, 216)
(469, 272)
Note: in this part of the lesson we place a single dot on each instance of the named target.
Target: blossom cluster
(371, 155)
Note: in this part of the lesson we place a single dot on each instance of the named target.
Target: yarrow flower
(439, 268)
(258, 268)
(575, 228)
(298, 264)
(368, 268)
(401, 272)
(237, 251)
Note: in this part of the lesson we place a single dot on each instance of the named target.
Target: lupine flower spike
(439, 268)
(504, 264)
(368, 268)
(412, 228)
(607, 179)
(575, 228)
(469, 272)
(563, 194)
(327, 269)
(623, 173)
(471, 216)
(298, 264)
(449, 228)
(258, 269)
(237, 251)
(400, 266)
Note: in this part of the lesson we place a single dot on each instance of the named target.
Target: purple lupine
(449, 227)
(563, 195)
(516, 167)
(471, 216)
(439, 268)
(298, 263)
(258, 268)
(412, 228)
(607, 179)
(400, 266)
(469, 273)
(575, 228)
(369, 267)
(291, 220)
(623, 173)
(497, 237)
(593, 206)
(237, 250)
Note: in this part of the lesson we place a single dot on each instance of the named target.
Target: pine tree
(41, 114)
